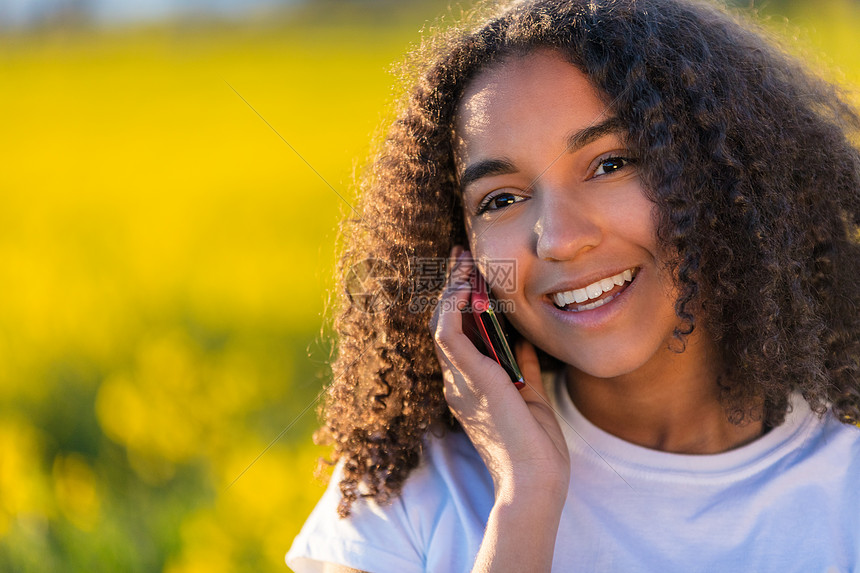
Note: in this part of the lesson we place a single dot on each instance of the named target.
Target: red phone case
(492, 333)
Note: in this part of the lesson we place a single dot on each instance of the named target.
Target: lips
(595, 294)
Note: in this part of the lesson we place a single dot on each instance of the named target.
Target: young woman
(679, 201)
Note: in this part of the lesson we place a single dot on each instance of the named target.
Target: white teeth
(592, 291)
(595, 304)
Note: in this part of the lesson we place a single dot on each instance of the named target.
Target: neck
(673, 410)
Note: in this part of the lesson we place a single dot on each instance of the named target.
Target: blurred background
(164, 259)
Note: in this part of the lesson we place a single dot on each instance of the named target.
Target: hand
(515, 431)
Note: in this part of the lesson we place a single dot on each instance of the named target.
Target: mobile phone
(492, 333)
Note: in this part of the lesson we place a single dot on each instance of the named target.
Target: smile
(597, 293)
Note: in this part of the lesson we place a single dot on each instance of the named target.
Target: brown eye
(610, 164)
(500, 201)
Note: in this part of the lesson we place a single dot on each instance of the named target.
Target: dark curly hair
(748, 157)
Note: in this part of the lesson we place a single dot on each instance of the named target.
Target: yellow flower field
(164, 259)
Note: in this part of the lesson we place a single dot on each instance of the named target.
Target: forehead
(538, 95)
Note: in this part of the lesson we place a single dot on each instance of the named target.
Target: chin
(606, 365)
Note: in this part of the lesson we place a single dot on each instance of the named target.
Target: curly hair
(748, 157)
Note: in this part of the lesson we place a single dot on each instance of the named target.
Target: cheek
(471, 235)
(487, 248)
(500, 262)
(635, 215)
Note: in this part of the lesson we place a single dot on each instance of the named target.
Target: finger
(460, 270)
(456, 251)
(457, 349)
(454, 299)
(528, 362)
(453, 266)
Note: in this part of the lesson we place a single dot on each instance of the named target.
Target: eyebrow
(575, 141)
(486, 168)
(579, 139)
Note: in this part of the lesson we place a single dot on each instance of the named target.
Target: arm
(521, 532)
(514, 431)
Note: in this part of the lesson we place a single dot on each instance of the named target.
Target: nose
(564, 229)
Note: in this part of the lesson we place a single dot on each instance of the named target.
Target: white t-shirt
(789, 501)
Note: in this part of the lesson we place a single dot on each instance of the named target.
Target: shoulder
(825, 437)
(809, 449)
(816, 485)
(815, 482)
(831, 444)
(445, 503)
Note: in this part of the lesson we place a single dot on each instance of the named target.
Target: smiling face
(549, 183)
